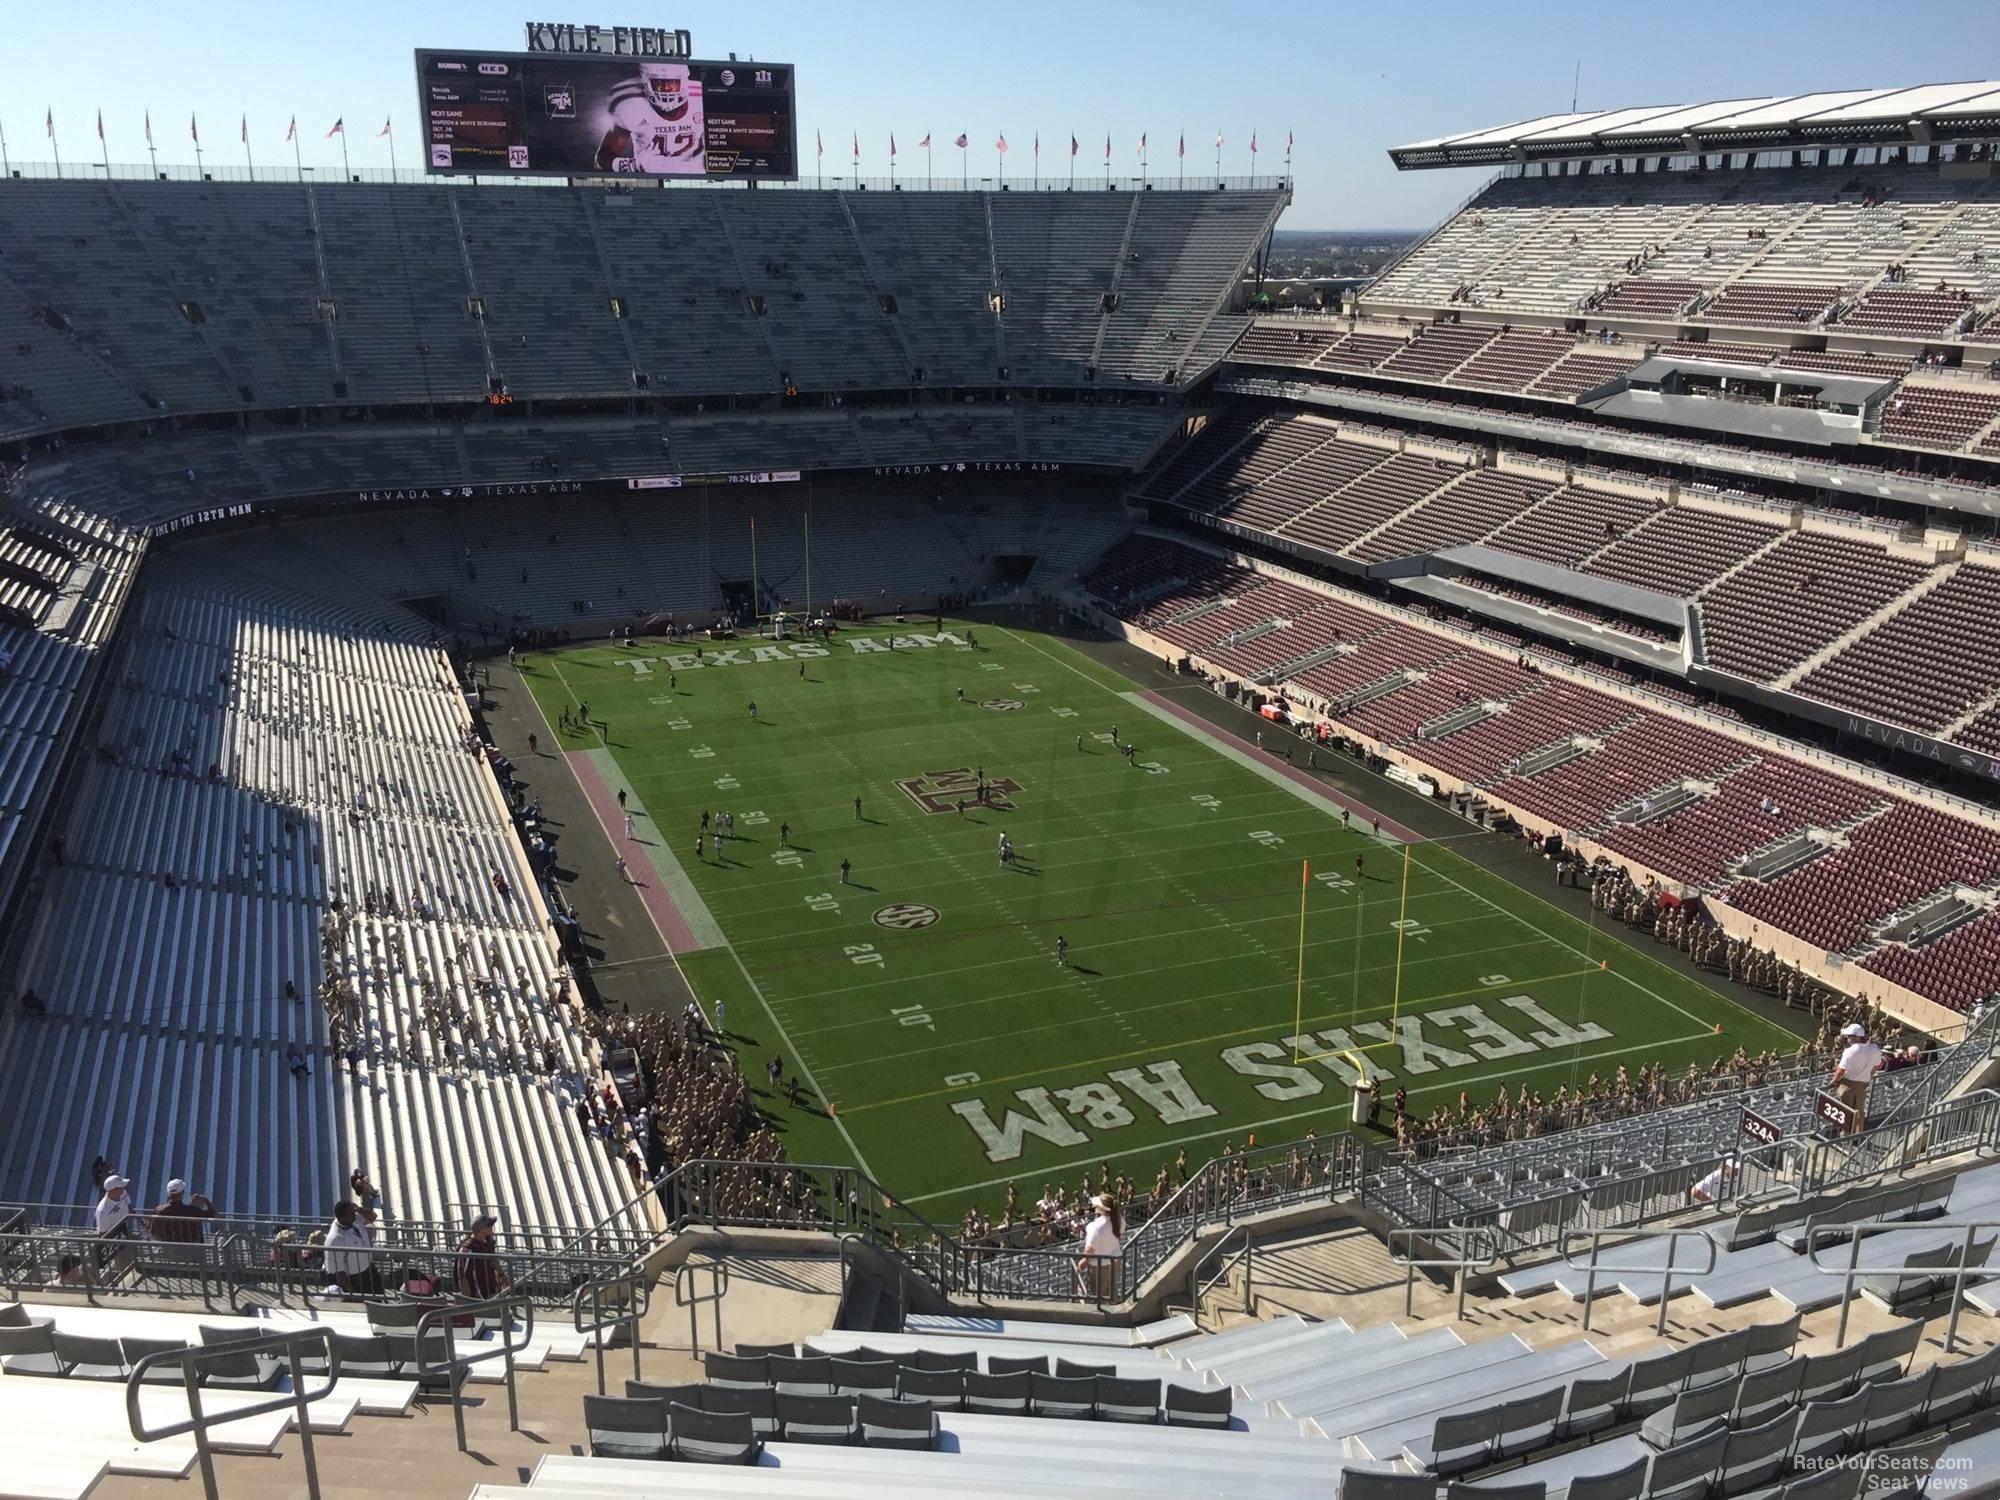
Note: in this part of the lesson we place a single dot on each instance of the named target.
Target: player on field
(844, 868)
(621, 796)
(1062, 949)
(857, 809)
(753, 711)
(623, 873)
(1114, 734)
(731, 817)
(704, 822)
(628, 825)
(784, 835)
(961, 695)
(700, 846)
(802, 671)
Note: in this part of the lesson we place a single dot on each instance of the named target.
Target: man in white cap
(178, 1220)
(114, 1210)
(1860, 1061)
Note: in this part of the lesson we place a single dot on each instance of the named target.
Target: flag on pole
(925, 143)
(1142, 144)
(820, 142)
(1038, 145)
(1001, 145)
(1107, 147)
(50, 123)
(892, 145)
(100, 124)
(1253, 143)
(857, 145)
(1288, 143)
(383, 131)
(1218, 140)
(1072, 143)
(246, 130)
(149, 130)
(1181, 150)
(339, 128)
(194, 130)
(960, 142)
(292, 130)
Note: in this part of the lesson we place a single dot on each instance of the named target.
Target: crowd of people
(699, 1107)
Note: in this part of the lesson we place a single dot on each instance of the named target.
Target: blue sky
(1348, 80)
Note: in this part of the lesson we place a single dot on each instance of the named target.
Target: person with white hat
(114, 1209)
(1860, 1061)
(1103, 1244)
(178, 1220)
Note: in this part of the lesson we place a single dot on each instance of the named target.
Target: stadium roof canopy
(1926, 113)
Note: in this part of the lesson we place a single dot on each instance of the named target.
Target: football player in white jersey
(656, 124)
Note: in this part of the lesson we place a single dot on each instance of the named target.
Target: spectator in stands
(477, 1271)
(1858, 1065)
(178, 1220)
(349, 1253)
(1103, 1244)
(1717, 1185)
(73, 1271)
(363, 1190)
(114, 1210)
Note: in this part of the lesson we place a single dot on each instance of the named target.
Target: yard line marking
(1339, 1107)
(1200, 1041)
(934, 975)
(804, 1067)
(1237, 991)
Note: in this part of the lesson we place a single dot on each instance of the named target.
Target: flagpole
(1218, 154)
(6, 166)
(103, 148)
(55, 146)
(392, 155)
(195, 131)
(293, 137)
(927, 161)
(249, 163)
(346, 172)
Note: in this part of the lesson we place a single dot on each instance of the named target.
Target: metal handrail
(685, 1296)
(619, 1301)
(498, 1310)
(198, 1422)
(1666, 1273)
(1857, 1232)
(1197, 1288)
(1463, 1263)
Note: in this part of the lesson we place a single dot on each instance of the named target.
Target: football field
(1235, 948)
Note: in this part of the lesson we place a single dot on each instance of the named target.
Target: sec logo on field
(1001, 705)
(907, 917)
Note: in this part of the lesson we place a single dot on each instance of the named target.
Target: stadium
(516, 674)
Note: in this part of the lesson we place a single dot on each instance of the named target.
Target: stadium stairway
(1933, 580)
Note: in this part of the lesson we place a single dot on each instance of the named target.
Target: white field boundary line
(804, 1067)
(1339, 1106)
(1138, 701)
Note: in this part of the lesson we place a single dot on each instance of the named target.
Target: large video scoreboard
(569, 115)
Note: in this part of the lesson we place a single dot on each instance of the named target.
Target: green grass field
(923, 999)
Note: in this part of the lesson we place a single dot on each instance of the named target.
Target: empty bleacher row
(1685, 800)
(64, 1365)
(131, 299)
(992, 1406)
(278, 748)
(1822, 613)
(156, 481)
(1756, 247)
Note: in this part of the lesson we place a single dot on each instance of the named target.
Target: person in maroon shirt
(477, 1271)
(178, 1220)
